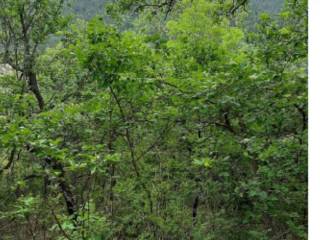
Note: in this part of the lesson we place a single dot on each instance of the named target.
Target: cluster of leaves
(197, 131)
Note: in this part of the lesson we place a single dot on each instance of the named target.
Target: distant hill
(86, 8)
(271, 6)
(89, 8)
(256, 7)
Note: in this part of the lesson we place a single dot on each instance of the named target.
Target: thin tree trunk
(34, 88)
(64, 187)
(195, 210)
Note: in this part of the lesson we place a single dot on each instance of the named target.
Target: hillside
(88, 9)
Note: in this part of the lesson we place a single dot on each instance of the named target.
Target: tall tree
(25, 25)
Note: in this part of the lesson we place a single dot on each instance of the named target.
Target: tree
(25, 25)
(190, 128)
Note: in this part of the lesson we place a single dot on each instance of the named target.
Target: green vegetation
(185, 125)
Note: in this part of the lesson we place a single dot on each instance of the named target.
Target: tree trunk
(195, 210)
(64, 187)
(34, 88)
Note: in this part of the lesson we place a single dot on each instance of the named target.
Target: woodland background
(153, 119)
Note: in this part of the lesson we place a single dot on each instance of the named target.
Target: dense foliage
(186, 125)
